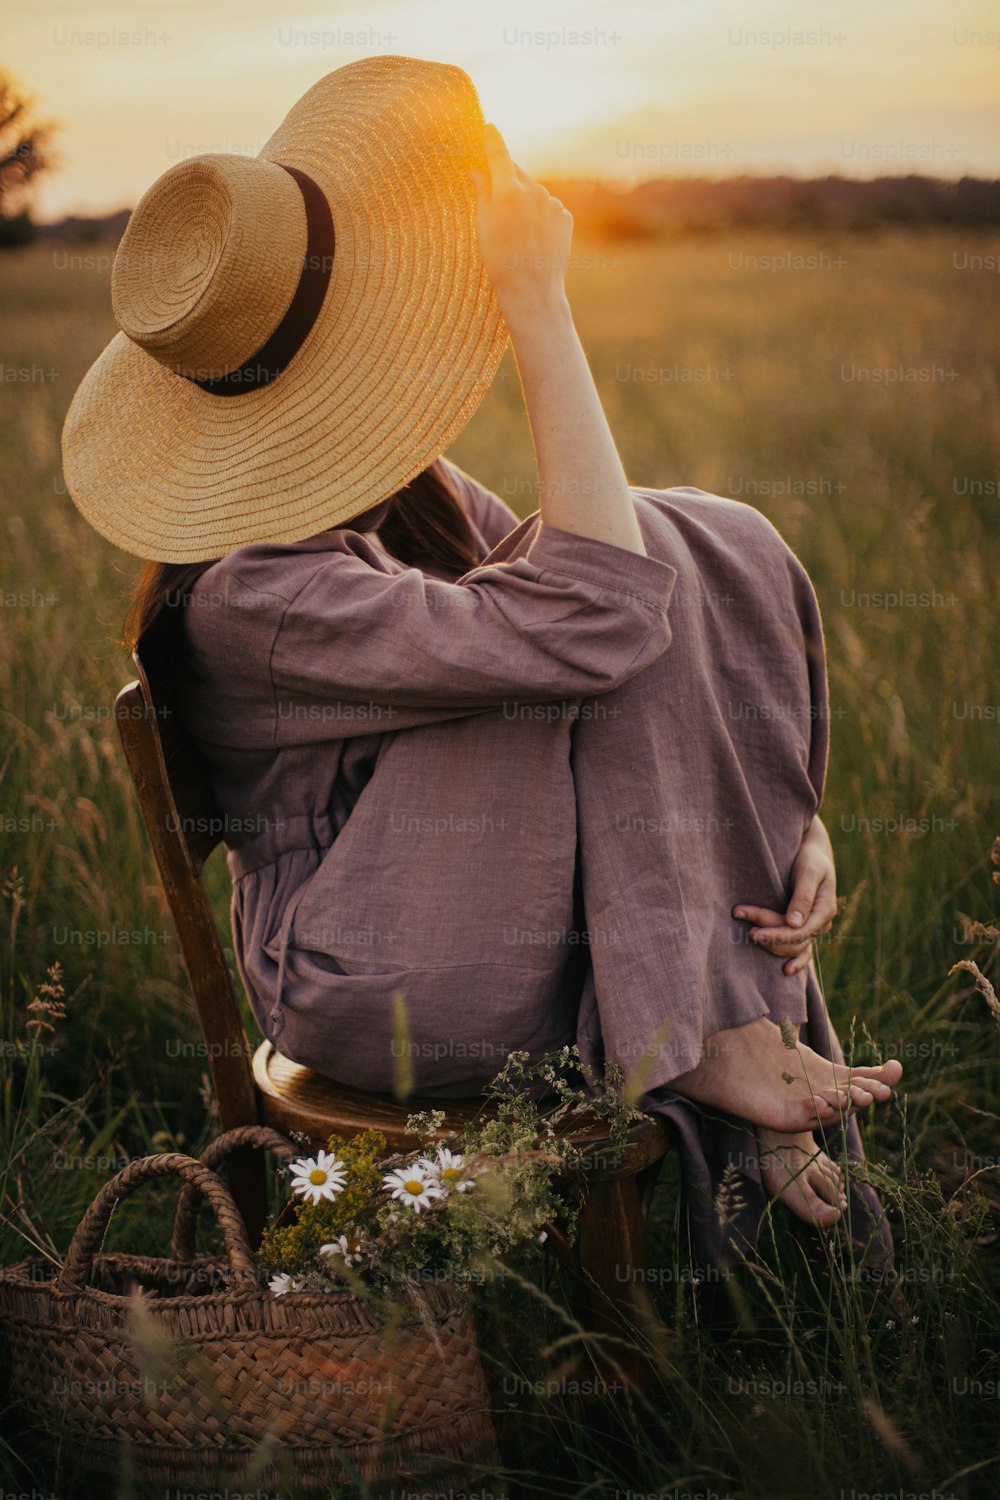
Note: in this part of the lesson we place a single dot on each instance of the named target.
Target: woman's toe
(821, 1210)
(887, 1073)
(833, 1101)
(872, 1081)
(839, 1186)
(824, 1185)
(830, 1170)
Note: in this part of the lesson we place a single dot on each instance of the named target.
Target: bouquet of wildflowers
(450, 1207)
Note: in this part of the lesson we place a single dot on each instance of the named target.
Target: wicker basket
(189, 1373)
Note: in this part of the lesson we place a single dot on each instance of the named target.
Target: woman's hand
(812, 907)
(524, 233)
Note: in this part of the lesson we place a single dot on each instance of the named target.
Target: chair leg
(611, 1246)
(645, 1182)
(246, 1173)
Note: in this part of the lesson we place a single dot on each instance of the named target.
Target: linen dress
(524, 799)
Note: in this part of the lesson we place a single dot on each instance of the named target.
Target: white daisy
(447, 1168)
(285, 1282)
(317, 1177)
(345, 1245)
(413, 1185)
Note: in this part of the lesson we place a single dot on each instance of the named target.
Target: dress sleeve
(815, 648)
(358, 649)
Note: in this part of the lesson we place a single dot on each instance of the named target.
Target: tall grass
(792, 1377)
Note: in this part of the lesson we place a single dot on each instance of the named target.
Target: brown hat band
(303, 310)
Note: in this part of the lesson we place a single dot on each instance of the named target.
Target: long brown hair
(425, 523)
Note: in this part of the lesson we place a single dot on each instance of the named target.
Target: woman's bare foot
(795, 1171)
(748, 1071)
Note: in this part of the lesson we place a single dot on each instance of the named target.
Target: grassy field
(849, 389)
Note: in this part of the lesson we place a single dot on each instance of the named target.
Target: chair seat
(294, 1098)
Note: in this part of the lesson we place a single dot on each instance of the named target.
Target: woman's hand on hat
(524, 232)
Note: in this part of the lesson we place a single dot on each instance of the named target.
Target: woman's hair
(426, 522)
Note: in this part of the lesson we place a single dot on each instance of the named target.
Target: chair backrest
(173, 786)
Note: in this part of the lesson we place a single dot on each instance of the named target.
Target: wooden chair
(173, 786)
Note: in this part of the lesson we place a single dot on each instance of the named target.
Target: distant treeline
(670, 206)
(698, 205)
(21, 229)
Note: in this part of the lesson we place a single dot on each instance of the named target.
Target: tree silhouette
(25, 152)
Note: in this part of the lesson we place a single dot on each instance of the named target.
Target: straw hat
(302, 332)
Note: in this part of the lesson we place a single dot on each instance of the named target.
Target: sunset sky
(626, 90)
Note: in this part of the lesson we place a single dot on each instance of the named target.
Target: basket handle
(79, 1263)
(182, 1244)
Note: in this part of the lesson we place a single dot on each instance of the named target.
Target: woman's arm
(320, 645)
(811, 908)
(524, 239)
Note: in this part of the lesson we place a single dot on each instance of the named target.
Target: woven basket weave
(205, 1373)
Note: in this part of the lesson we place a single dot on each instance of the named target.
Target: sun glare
(606, 88)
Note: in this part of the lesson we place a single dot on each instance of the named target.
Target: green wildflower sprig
(292, 1247)
(453, 1205)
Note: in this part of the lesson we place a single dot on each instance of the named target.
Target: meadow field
(848, 387)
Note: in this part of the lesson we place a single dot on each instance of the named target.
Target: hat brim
(405, 347)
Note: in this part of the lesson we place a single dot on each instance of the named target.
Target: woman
(495, 768)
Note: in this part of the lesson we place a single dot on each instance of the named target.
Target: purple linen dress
(503, 797)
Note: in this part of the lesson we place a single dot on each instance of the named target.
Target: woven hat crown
(209, 262)
(326, 301)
